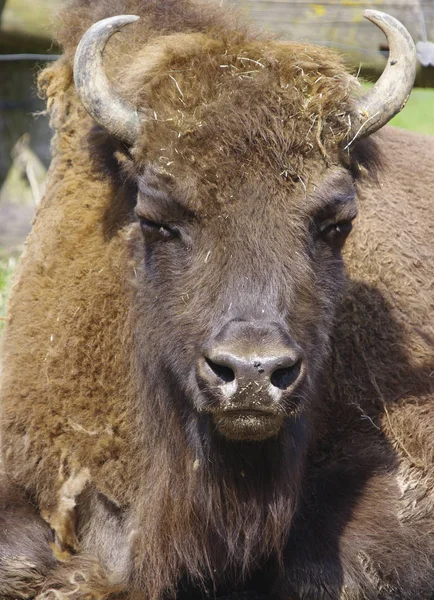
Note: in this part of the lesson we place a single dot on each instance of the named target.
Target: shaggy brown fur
(26, 556)
(102, 422)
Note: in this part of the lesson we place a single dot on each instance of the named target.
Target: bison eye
(336, 233)
(157, 231)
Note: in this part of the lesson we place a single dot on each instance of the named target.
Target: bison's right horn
(98, 95)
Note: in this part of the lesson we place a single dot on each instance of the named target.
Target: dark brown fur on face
(103, 420)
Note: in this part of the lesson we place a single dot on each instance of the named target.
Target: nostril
(283, 378)
(224, 373)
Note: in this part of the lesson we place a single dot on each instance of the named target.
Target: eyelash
(333, 233)
(157, 230)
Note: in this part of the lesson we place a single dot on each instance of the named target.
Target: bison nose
(250, 361)
(281, 371)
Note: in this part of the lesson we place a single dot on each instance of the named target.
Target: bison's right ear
(99, 97)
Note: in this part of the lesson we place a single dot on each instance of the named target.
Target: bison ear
(111, 156)
(390, 94)
(101, 100)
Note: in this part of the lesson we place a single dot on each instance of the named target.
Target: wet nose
(248, 353)
(280, 371)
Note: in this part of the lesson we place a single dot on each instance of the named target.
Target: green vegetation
(418, 115)
(6, 269)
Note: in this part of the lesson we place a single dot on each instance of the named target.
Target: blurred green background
(6, 268)
(418, 115)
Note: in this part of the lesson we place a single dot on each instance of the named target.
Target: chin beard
(213, 506)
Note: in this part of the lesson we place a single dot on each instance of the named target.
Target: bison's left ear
(390, 94)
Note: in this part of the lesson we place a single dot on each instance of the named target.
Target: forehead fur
(212, 91)
(267, 102)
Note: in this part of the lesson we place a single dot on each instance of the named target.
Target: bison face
(238, 260)
(238, 284)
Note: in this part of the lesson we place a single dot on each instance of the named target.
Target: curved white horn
(390, 94)
(98, 95)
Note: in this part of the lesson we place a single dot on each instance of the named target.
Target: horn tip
(373, 15)
(121, 20)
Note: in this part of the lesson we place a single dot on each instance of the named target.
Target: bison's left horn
(390, 94)
(98, 95)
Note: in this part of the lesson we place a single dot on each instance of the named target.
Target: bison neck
(212, 510)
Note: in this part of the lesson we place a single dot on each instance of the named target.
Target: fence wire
(29, 57)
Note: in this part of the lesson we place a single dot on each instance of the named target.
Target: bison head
(244, 155)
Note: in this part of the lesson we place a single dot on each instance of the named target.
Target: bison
(206, 390)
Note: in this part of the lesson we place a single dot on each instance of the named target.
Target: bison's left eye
(336, 233)
(157, 231)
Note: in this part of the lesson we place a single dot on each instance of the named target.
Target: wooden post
(2, 5)
(29, 17)
(24, 27)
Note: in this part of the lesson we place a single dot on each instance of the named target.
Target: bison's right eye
(153, 231)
